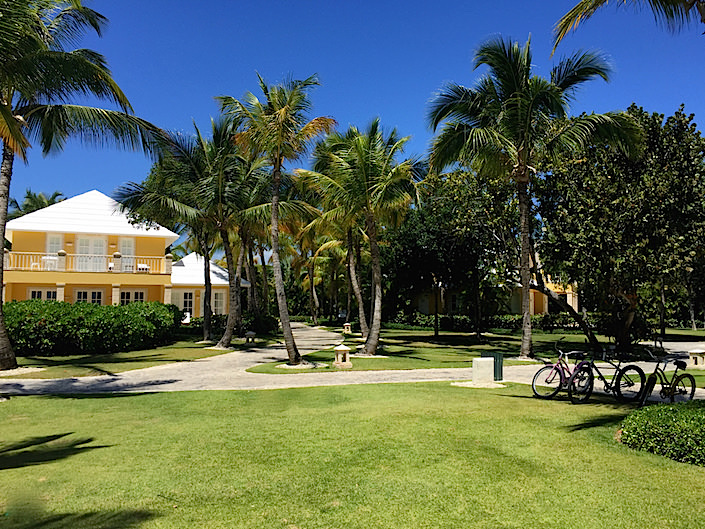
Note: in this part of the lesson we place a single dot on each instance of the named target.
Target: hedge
(676, 431)
(263, 324)
(56, 328)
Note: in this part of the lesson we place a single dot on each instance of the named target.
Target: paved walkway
(228, 372)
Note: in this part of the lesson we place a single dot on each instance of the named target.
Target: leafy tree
(277, 127)
(33, 202)
(361, 182)
(511, 121)
(618, 226)
(461, 235)
(38, 77)
(673, 13)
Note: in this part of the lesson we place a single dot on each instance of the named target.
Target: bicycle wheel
(547, 382)
(580, 385)
(629, 383)
(683, 388)
(648, 388)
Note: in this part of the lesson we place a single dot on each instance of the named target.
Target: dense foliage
(676, 431)
(628, 228)
(55, 328)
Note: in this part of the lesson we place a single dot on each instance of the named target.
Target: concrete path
(228, 372)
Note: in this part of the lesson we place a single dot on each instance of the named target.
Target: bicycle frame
(662, 378)
(610, 386)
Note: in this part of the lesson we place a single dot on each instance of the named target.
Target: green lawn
(86, 365)
(393, 456)
(411, 349)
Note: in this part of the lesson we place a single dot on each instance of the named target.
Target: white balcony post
(61, 264)
(6, 259)
(60, 287)
(117, 263)
(168, 258)
(116, 295)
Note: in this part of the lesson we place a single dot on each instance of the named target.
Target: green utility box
(498, 363)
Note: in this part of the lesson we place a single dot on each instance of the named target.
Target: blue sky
(374, 58)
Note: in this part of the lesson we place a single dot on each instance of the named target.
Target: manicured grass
(407, 349)
(393, 456)
(184, 350)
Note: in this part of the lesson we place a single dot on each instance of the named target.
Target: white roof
(92, 212)
(189, 271)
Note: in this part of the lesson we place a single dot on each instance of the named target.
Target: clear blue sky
(374, 58)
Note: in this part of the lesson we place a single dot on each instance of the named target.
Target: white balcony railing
(61, 261)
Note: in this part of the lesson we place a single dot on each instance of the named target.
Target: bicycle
(552, 378)
(626, 384)
(679, 388)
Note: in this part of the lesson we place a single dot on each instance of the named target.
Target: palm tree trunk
(234, 275)
(292, 351)
(312, 294)
(352, 269)
(208, 287)
(524, 271)
(7, 354)
(373, 338)
(265, 281)
(348, 305)
(253, 279)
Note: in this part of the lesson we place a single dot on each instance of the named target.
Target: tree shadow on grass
(35, 518)
(38, 450)
(75, 386)
(612, 419)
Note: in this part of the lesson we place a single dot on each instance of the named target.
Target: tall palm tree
(361, 182)
(32, 202)
(673, 13)
(168, 197)
(512, 121)
(277, 126)
(38, 77)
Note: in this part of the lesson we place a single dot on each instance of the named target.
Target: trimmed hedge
(56, 328)
(676, 431)
(264, 324)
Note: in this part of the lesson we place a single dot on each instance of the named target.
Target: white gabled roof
(92, 212)
(189, 271)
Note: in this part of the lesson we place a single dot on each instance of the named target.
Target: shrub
(676, 431)
(264, 324)
(55, 328)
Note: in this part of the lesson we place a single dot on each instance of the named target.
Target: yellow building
(85, 250)
(538, 303)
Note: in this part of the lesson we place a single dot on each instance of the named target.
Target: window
(48, 294)
(91, 256)
(92, 296)
(188, 302)
(219, 302)
(54, 243)
(124, 297)
(127, 296)
(127, 250)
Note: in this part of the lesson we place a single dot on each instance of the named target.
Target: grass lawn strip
(393, 456)
(91, 365)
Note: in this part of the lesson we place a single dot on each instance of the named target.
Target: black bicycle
(626, 382)
(677, 388)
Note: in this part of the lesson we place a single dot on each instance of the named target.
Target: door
(91, 254)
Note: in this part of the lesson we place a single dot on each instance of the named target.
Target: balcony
(63, 262)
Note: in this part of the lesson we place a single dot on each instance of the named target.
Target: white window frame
(58, 243)
(90, 295)
(216, 306)
(128, 254)
(91, 261)
(183, 301)
(133, 293)
(47, 294)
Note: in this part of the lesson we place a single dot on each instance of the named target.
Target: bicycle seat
(680, 364)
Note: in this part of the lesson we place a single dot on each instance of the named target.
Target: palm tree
(38, 77)
(33, 202)
(512, 121)
(361, 183)
(277, 127)
(673, 13)
(168, 197)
